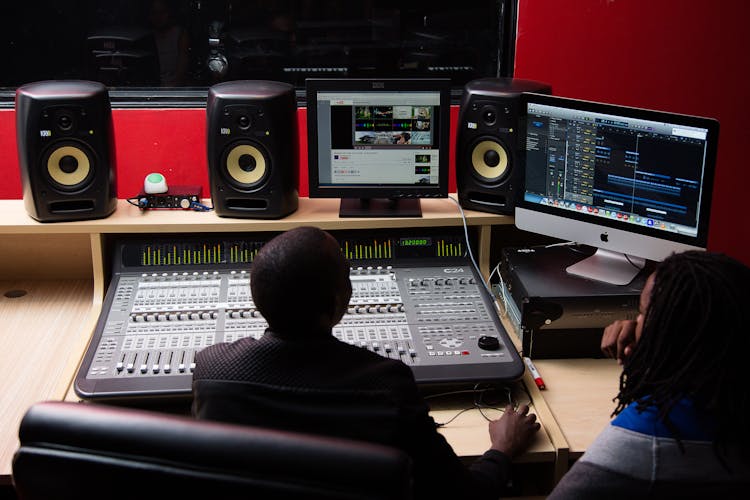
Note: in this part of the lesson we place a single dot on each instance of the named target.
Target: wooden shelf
(322, 213)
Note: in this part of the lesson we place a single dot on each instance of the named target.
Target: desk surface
(579, 394)
(44, 335)
(468, 433)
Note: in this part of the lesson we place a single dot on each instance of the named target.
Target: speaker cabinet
(488, 172)
(252, 149)
(66, 150)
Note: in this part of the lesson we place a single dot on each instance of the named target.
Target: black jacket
(322, 385)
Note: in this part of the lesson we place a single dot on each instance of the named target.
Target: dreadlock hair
(694, 343)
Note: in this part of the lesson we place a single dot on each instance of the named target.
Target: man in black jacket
(299, 377)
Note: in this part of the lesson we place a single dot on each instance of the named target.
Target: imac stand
(607, 266)
(380, 207)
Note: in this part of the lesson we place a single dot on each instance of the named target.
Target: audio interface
(180, 197)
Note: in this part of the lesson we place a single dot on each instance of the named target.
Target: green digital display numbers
(415, 242)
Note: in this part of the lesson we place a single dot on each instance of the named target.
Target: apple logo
(604, 237)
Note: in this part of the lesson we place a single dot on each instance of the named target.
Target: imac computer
(634, 183)
(378, 144)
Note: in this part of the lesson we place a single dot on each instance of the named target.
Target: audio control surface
(436, 318)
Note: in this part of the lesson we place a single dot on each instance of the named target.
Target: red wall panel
(169, 141)
(681, 56)
(10, 188)
(673, 55)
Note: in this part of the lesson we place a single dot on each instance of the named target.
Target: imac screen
(625, 180)
(378, 139)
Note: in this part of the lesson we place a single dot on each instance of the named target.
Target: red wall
(675, 55)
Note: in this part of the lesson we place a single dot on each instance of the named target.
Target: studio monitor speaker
(252, 149)
(66, 150)
(488, 171)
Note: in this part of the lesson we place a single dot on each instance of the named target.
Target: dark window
(172, 50)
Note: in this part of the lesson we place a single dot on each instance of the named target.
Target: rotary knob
(488, 343)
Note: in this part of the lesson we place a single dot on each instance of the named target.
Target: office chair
(81, 451)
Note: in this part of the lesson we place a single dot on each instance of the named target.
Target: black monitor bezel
(393, 191)
(712, 139)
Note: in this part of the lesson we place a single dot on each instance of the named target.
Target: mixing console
(420, 302)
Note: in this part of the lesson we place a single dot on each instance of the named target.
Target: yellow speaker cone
(68, 166)
(490, 160)
(246, 164)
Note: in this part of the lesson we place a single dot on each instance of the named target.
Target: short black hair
(694, 342)
(297, 276)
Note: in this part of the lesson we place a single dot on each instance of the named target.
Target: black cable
(133, 201)
(454, 417)
(479, 402)
(633, 263)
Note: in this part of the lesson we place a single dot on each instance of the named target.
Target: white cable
(468, 246)
(561, 244)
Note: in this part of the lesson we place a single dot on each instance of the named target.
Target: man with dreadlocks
(681, 426)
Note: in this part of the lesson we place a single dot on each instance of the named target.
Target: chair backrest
(79, 450)
(364, 415)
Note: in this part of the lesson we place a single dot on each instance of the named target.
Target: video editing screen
(635, 171)
(374, 138)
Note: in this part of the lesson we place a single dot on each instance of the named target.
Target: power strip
(179, 197)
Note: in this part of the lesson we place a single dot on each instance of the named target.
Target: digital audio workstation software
(644, 172)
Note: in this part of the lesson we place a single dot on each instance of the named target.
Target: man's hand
(512, 433)
(619, 340)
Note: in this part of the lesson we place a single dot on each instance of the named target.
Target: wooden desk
(63, 267)
(577, 398)
(44, 335)
(468, 432)
(579, 394)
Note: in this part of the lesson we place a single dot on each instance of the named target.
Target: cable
(450, 393)
(561, 244)
(501, 284)
(136, 201)
(199, 207)
(468, 246)
(454, 417)
(480, 402)
(627, 257)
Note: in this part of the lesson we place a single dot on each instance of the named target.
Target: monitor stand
(609, 267)
(380, 207)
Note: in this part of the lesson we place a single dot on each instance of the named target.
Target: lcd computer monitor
(378, 144)
(634, 183)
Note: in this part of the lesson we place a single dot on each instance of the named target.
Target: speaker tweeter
(488, 172)
(252, 153)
